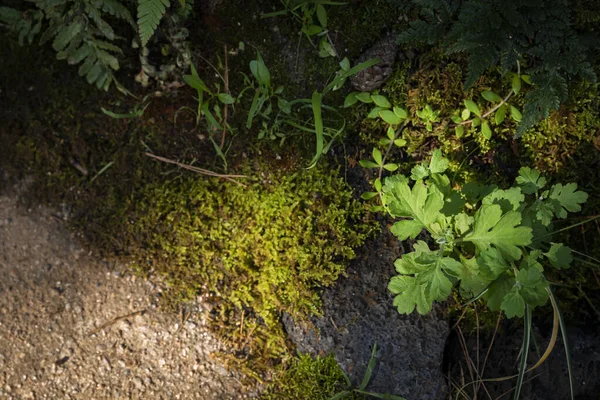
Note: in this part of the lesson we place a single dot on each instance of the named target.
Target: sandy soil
(73, 326)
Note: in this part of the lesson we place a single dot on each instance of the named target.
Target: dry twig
(198, 170)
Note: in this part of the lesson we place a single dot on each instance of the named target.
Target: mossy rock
(254, 249)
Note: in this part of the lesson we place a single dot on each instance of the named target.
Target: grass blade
(370, 368)
(524, 351)
(563, 331)
(316, 108)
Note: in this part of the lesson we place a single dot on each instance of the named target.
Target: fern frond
(149, 14)
(116, 9)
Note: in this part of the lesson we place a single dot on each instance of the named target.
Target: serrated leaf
(509, 200)
(513, 304)
(462, 223)
(544, 211)
(500, 114)
(422, 203)
(400, 112)
(492, 263)
(567, 198)
(559, 255)
(497, 290)
(486, 131)
(530, 180)
(515, 114)
(409, 294)
(438, 164)
(149, 14)
(381, 101)
(419, 172)
(350, 100)
(516, 84)
(491, 228)
(491, 96)
(364, 97)
(390, 117)
(473, 107)
(407, 228)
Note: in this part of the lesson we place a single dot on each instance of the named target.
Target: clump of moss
(307, 378)
(255, 250)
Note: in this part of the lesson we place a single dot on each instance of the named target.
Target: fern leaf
(66, 34)
(149, 14)
(116, 9)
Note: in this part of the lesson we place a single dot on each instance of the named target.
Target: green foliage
(490, 240)
(312, 15)
(79, 33)
(307, 379)
(257, 251)
(352, 392)
(538, 35)
(149, 14)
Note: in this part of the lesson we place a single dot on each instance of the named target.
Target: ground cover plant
(481, 150)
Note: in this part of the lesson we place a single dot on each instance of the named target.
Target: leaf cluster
(537, 34)
(79, 32)
(489, 242)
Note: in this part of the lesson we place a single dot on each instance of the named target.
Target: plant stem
(487, 114)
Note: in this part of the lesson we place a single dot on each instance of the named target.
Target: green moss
(307, 379)
(256, 250)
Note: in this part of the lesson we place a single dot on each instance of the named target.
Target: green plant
(81, 32)
(209, 107)
(307, 378)
(351, 391)
(290, 112)
(427, 116)
(490, 241)
(305, 12)
(264, 95)
(540, 35)
(257, 251)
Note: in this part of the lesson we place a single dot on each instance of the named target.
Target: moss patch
(254, 251)
(307, 378)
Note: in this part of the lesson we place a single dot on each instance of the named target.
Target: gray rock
(358, 312)
(386, 50)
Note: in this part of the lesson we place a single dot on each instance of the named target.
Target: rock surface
(76, 327)
(358, 312)
(386, 50)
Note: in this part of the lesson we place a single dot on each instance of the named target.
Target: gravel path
(76, 327)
